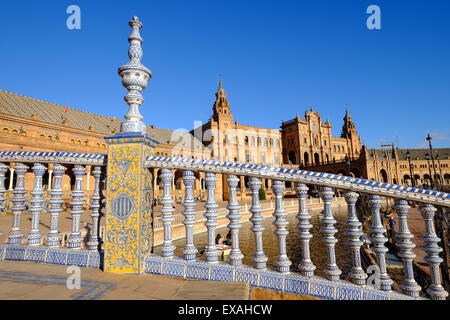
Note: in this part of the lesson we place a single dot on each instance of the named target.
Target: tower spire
(134, 78)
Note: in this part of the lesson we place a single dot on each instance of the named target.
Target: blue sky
(277, 58)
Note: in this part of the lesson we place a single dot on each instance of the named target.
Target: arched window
(5, 130)
(265, 142)
(15, 131)
(246, 141)
(258, 141)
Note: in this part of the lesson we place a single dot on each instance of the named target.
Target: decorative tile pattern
(174, 268)
(221, 272)
(197, 271)
(322, 289)
(296, 285)
(348, 293)
(271, 280)
(57, 257)
(35, 254)
(15, 253)
(77, 259)
(247, 274)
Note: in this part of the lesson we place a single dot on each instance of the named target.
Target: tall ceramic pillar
(403, 240)
(56, 201)
(77, 207)
(34, 238)
(332, 271)
(129, 220)
(431, 247)
(94, 239)
(282, 263)
(189, 250)
(234, 225)
(211, 251)
(167, 247)
(378, 239)
(306, 266)
(353, 232)
(15, 235)
(259, 258)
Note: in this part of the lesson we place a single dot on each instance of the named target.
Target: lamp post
(411, 166)
(440, 170)
(427, 156)
(432, 159)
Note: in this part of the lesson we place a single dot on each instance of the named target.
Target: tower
(351, 135)
(221, 107)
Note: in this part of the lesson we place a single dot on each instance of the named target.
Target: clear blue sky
(277, 58)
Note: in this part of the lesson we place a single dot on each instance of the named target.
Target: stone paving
(36, 281)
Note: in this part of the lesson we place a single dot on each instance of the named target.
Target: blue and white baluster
(403, 240)
(331, 270)
(282, 263)
(15, 235)
(211, 251)
(306, 266)
(259, 258)
(77, 207)
(378, 239)
(55, 202)
(37, 202)
(3, 169)
(189, 250)
(167, 248)
(234, 225)
(435, 290)
(94, 239)
(353, 232)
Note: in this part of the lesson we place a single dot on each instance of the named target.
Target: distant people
(228, 240)
(219, 240)
(391, 227)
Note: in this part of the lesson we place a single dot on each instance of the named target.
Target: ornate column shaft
(77, 207)
(167, 248)
(3, 170)
(55, 202)
(259, 258)
(211, 251)
(234, 225)
(431, 247)
(129, 217)
(357, 274)
(332, 271)
(189, 250)
(282, 263)
(15, 235)
(378, 239)
(37, 202)
(306, 266)
(403, 238)
(11, 178)
(134, 78)
(94, 239)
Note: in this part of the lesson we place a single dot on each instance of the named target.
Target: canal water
(293, 244)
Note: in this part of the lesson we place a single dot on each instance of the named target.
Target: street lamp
(427, 156)
(440, 170)
(432, 158)
(413, 180)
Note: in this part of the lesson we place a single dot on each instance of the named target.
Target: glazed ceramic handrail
(97, 159)
(303, 176)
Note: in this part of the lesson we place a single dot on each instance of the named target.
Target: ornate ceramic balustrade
(57, 246)
(191, 265)
(281, 277)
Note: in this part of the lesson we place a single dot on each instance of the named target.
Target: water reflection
(270, 243)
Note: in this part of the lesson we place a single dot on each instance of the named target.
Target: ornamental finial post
(134, 78)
